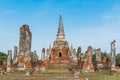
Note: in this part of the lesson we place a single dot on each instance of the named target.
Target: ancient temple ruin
(60, 51)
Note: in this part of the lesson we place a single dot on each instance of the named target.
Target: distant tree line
(3, 57)
(118, 59)
(105, 54)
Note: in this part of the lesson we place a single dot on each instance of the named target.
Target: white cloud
(113, 14)
(108, 17)
(8, 12)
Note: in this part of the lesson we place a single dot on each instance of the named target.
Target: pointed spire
(61, 27)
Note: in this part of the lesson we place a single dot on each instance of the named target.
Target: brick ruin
(88, 64)
(60, 50)
(98, 56)
(24, 57)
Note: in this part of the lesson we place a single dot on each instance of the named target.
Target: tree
(32, 55)
(93, 57)
(118, 59)
(104, 55)
(3, 57)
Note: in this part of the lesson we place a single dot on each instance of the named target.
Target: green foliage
(118, 59)
(93, 57)
(76, 54)
(104, 55)
(32, 55)
(82, 53)
(3, 57)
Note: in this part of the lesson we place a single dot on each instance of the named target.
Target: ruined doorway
(60, 54)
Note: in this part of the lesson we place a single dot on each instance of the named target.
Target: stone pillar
(90, 54)
(74, 57)
(47, 54)
(9, 61)
(71, 52)
(79, 51)
(113, 62)
(24, 57)
(90, 51)
(85, 64)
(35, 58)
(98, 56)
(15, 55)
(88, 65)
(79, 57)
(43, 54)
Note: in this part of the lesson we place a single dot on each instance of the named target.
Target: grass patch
(61, 74)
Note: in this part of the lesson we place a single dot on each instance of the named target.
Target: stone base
(28, 65)
(3, 72)
(113, 73)
(60, 61)
(92, 70)
(28, 73)
(43, 69)
(88, 69)
(20, 69)
(9, 69)
(76, 77)
(52, 61)
(74, 62)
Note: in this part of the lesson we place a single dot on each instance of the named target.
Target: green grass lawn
(60, 74)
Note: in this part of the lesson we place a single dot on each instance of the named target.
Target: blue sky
(86, 22)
